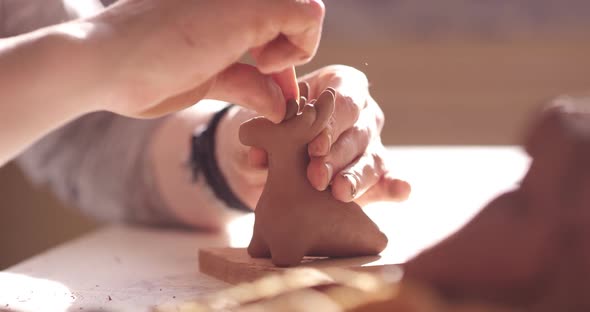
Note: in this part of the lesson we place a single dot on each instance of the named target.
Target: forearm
(99, 164)
(47, 78)
(118, 169)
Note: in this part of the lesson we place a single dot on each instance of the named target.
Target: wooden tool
(234, 265)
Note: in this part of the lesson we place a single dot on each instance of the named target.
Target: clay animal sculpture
(529, 247)
(292, 219)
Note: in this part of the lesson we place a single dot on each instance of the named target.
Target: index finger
(352, 98)
(287, 81)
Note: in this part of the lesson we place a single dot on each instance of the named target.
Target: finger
(244, 85)
(324, 107)
(352, 88)
(387, 189)
(298, 26)
(346, 114)
(321, 144)
(287, 81)
(304, 89)
(354, 180)
(257, 158)
(345, 80)
(349, 147)
(377, 112)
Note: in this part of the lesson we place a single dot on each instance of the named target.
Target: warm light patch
(239, 230)
(24, 293)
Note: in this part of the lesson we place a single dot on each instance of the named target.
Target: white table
(132, 269)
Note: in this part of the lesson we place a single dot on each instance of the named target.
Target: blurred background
(455, 72)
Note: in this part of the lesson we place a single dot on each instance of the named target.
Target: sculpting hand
(349, 154)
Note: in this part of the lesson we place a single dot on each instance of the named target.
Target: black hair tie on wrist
(202, 159)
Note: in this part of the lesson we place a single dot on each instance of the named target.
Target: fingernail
(304, 89)
(329, 171)
(353, 185)
(331, 90)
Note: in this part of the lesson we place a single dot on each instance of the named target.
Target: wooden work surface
(235, 266)
(131, 269)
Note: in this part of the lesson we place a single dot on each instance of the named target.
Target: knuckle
(366, 170)
(351, 110)
(379, 116)
(363, 134)
(376, 158)
(378, 162)
(349, 71)
(331, 126)
(349, 142)
(318, 7)
(262, 28)
(359, 76)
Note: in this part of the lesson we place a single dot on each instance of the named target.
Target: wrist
(225, 152)
(212, 159)
(245, 180)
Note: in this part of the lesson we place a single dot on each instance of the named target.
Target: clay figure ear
(254, 131)
(324, 108)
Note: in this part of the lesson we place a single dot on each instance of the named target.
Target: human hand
(171, 54)
(348, 154)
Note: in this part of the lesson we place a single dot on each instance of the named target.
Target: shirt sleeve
(22, 16)
(99, 164)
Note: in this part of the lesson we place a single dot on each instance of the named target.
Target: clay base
(234, 265)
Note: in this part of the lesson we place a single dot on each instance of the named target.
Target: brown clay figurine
(293, 219)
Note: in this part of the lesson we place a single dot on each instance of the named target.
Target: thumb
(244, 85)
(287, 81)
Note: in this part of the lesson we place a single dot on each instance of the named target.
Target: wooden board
(234, 265)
